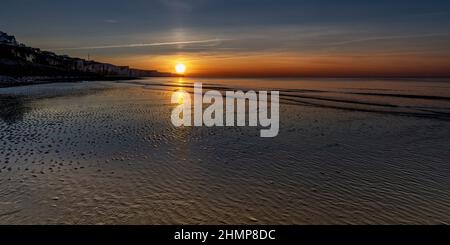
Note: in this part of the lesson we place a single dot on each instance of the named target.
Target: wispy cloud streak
(138, 45)
(389, 38)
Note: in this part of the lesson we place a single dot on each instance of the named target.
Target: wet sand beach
(349, 152)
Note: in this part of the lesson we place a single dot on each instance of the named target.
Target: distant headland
(22, 65)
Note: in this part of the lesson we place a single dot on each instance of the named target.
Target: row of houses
(14, 53)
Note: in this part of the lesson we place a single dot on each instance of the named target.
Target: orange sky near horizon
(291, 65)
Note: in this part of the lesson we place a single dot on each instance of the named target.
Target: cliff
(18, 60)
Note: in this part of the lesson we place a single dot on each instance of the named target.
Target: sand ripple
(106, 153)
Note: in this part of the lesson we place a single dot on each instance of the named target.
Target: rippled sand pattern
(107, 153)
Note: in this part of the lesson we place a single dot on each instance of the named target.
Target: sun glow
(180, 68)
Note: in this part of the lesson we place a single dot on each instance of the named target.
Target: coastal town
(20, 63)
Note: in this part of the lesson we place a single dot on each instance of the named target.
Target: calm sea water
(350, 151)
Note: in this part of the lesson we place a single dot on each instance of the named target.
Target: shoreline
(7, 82)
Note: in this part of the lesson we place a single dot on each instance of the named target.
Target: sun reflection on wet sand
(180, 81)
(113, 146)
(180, 96)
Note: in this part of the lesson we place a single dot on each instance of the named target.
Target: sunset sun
(180, 68)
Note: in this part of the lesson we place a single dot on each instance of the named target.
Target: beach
(349, 151)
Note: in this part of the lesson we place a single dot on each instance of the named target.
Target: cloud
(111, 21)
(382, 38)
(213, 42)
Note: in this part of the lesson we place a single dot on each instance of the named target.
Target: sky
(243, 38)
